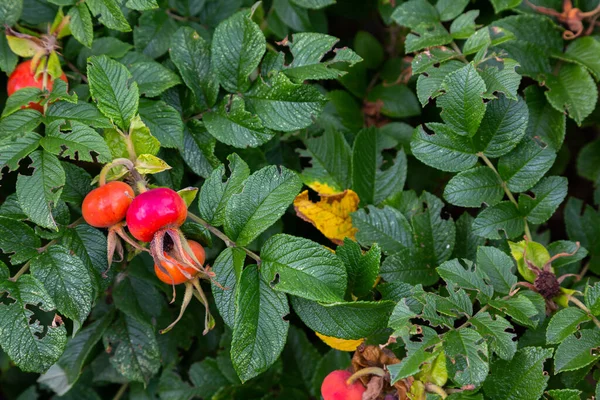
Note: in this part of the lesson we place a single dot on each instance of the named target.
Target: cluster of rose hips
(153, 216)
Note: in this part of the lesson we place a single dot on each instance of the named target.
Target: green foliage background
(461, 125)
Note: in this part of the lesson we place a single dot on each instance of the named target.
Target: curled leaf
(331, 215)
(149, 164)
(340, 344)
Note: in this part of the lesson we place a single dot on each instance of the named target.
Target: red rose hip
(107, 205)
(153, 210)
(335, 387)
(174, 276)
(23, 77)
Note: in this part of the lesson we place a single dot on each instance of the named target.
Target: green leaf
(133, 348)
(81, 24)
(215, 193)
(588, 162)
(434, 236)
(192, 56)
(32, 346)
(583, 224)
(39, 192)
(369, 49)
(503, 126)
(362, 269)
(238, 45)
(198, 149)
(113, 88)
(450, 9)
(18, 238)
(501, 78)
(444, 149)
(504, 217)
(76, 143)
(573, 91)
(11, 209)
(153, 34)
(494, 332)
(207, 377)
(109, 13)
(418, 353)
(228, 269)
(525, 165)
(283, 105)
(67, 281)
(163, 121)
(462, 103)
(463, 26)
(519, 307)
(577, 351)
(565, 394)
(89, 244)
(259, 332)
(10, 12)
(153, 78)
(344, 320)
(15, 147)
(314, 4)
(467, 242)
(141, 5)
(398, 100)
(368, 180)
(20, 121)
(581, 50)
(303, 268)
(406, 266)
(21, 98)
(85, 113)
(8, 59)
(565, 246)
(473, 187)
(498, 267)
(549, 193)
(136, 297)
(501, 5)
(387, 227)
(425, 36)
(415, 12)
(429, 84)
(230, 123)
(544, 121)
(331, 162)
(66, 371)
(426, 59)
(592, 298)
(401, 316)
(521, 378)
(564, 323)
(308, 49)
(266, 195)
(471, 278)
(468, 355)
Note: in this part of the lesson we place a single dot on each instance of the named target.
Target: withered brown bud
(547, 284)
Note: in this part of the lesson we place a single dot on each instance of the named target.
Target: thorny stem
(364, 372)
(432, 388)
(121, 391)
(509, 194)
(579, 304)
(222, 236)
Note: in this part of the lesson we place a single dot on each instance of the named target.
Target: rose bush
(299, 199)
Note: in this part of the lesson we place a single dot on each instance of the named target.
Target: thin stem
(121, 391)
(20, 272)
(431, 388)
(509, 194)
(583, 272)
(77, 71)
(222, 236)
(460, 55)
(579, 304)
(364, 372)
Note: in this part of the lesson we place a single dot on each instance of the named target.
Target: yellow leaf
(322, 188)
(340, 344)
(331, 215)
(536, 253)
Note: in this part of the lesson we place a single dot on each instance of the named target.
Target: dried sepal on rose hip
(155, 216)
(174, 273)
